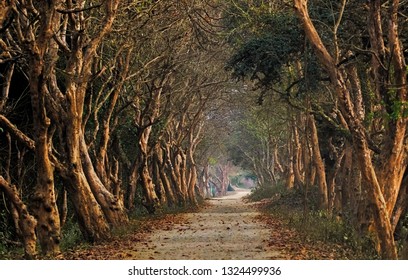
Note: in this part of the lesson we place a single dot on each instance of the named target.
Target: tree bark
(371, 182)
(170, 169)
(132, 186)
(92, 222)
(319, 164)
(290, 173)
(46, 210)
(102, 149)
(150, 201)
(192, 180)
(26, 222)
(112, 206)
(297, 158)
(160, 170)
(333, 191)
(79, 71)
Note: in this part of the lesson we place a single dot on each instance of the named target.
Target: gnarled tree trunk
(26, 222)
(161, 174)
(112, 206)
(92, 221)
(381, 184)
(150, 201)
(45, 207)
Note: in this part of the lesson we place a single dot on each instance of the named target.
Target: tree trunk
(297, 159)
(45, 207)
(6, 83)
(150, 201)
(345, 178)
(278, 165)
(91, 219)
(168, 158)
(160, 169)
(102, 149)
(112, 206)
(175, 170)
(393, 156)
(334, 193)
(26, 222)
(183, 172)
(192, 179)
(159, 184)
(290, 174)
(64, 208)
(371, 182)
(206, 180)
(132, 186)
(319, 164)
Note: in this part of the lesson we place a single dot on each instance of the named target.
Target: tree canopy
(115, 108)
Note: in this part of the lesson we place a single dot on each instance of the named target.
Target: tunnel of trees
(109, 108)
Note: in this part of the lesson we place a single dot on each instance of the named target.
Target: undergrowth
(312, 224)
(9, 245)
(71, 236)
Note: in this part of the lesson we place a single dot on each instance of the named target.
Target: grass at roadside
(309, 234)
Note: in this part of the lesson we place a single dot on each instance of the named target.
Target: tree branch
(78, 10)
(13, 130)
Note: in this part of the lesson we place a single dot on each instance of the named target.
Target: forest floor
(224, 228)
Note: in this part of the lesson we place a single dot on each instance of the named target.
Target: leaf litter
(225, 228)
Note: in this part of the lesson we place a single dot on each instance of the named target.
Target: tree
(382, 182)
(38, 46)
(348, 77)
(119, 110)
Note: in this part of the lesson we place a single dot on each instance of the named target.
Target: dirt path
(225, 229)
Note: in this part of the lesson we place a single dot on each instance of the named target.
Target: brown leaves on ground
(121, 246)
(288, 242)
(291, 244)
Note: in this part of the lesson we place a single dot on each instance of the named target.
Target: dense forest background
(110, 109)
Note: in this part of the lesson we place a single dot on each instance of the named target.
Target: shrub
(311, 223)
(266, 192)
(71, 236)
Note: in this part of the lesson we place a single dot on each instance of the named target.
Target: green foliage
(401, 235)
(158, 129)
(4, 232)
(314, 225)
(212, 161)
(319, 226)
(263, 56)
(262, 192)
(71, 236)
(399, 110)
(3, 249)
(7, 234)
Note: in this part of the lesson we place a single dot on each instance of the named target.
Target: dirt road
(225, 229)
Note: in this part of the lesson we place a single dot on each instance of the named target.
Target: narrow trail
(227, 228)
